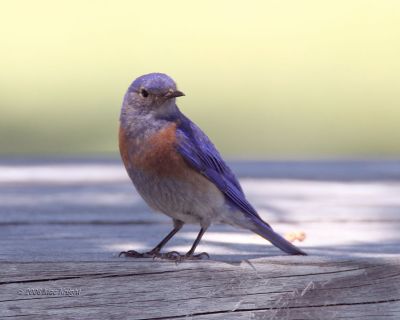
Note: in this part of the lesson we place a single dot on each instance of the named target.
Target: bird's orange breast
(155, 154)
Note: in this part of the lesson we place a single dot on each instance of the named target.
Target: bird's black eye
(144, 93)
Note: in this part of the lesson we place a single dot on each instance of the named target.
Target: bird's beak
(174, 94)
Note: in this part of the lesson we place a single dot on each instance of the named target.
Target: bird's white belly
(192, 201)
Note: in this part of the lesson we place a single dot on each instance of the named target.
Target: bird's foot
(176, 256)
(135, 254)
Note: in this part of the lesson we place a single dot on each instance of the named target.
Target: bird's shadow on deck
(236, 252)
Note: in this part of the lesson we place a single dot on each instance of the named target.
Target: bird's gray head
(152, 93)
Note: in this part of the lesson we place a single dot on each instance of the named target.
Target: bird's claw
(172, 255)
(200, 256)
(176, 256)
(135, 254)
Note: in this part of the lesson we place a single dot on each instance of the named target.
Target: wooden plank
(269, 288)
(91, 242)
(62, 224)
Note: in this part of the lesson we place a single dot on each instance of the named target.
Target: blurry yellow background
(262, 78)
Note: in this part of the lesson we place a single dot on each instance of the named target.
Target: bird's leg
(155, 252)
(173, 255)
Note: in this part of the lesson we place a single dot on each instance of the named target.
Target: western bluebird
(178, 171)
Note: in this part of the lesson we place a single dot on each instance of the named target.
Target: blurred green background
(264, 79)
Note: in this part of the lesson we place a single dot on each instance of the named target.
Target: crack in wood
(38, 280)
(268, 309)
(317, 273)
(144, 273)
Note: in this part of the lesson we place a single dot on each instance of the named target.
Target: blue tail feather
(264, 230)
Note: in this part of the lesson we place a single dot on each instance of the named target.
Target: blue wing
(200, 153)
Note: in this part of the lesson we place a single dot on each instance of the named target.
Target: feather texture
(201, 154)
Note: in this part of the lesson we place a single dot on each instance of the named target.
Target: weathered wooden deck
(63, 223)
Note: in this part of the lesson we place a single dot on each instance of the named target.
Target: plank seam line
(268, 309)
(319, 273)
(143, 274)
(39, 280)
(167, 271)
(94, 275)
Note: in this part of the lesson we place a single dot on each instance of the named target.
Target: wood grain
(63, 223)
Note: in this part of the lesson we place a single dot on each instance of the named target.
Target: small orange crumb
(295, 236)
